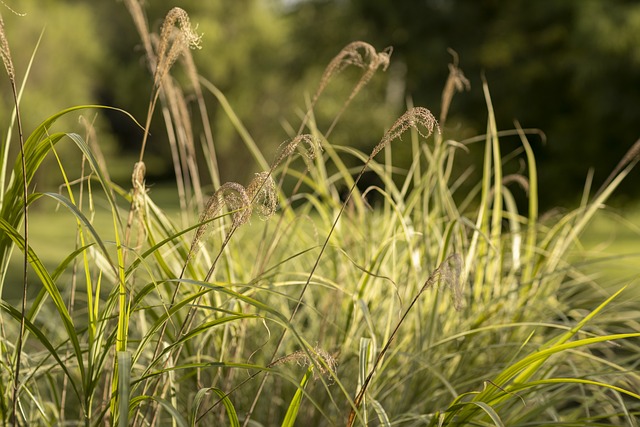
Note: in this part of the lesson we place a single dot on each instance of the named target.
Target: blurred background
(569, 68)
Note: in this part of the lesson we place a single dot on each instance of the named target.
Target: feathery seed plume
(172, 44)
(414, 118)
(308, 153)
(262, 193)
(5, 52)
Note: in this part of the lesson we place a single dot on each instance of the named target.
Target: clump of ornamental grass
(434, 308)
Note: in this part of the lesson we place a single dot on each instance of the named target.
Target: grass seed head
(237, 200)
(173, 43)
(262, 193)
(416, 118)
(309, 152)
(137, 177)
(359, 54)
(323, 361)
(456, 82)
(5, 52)
(450, 273)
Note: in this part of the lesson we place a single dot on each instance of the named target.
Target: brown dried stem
(456, 82)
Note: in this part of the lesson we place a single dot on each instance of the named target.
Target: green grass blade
(84, 221)
(490, 412)
(42, 339)
(532, 368)
(383, 418)
(228, 405)
(237, 123)
(124, 379)
(490, 394)
(52, 290)
(532, 223)
(292, 411)
(584, 381)
(176, 416)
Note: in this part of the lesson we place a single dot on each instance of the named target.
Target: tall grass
(265, 306)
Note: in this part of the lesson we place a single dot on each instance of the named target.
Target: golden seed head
(173, 43)
(415, 118)
(137, 178)
(262, 193)
(359, 54)
(5, 52)
(309, 152)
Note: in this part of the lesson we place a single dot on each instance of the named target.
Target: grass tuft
(427, 307)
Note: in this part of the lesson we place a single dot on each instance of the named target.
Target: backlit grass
(289, 299)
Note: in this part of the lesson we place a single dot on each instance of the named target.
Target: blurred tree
(244, 53)
(64, 66)
(569, 68)
(262, 56)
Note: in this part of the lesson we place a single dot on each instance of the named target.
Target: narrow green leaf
(489, 411)
(51, 288)
(228, 405)
(381, 413)
(294, 406)
(175, 414)
(42, 339)
(124, 379)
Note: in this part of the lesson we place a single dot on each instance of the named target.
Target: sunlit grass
(219, 307)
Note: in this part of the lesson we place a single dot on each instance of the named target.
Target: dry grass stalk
(5, 52)
(320, 359)
(181, 137)
(298, 143)
(139, 20)
(415, 118)
(211, 156)
(456, 82)
(172, 43)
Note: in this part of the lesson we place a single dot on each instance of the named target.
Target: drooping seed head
(308, 145)
(456, 82)
(262, 193)
(418, 118)
(172, 42)
(324, 362)
(359, 54)
(237, 200)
